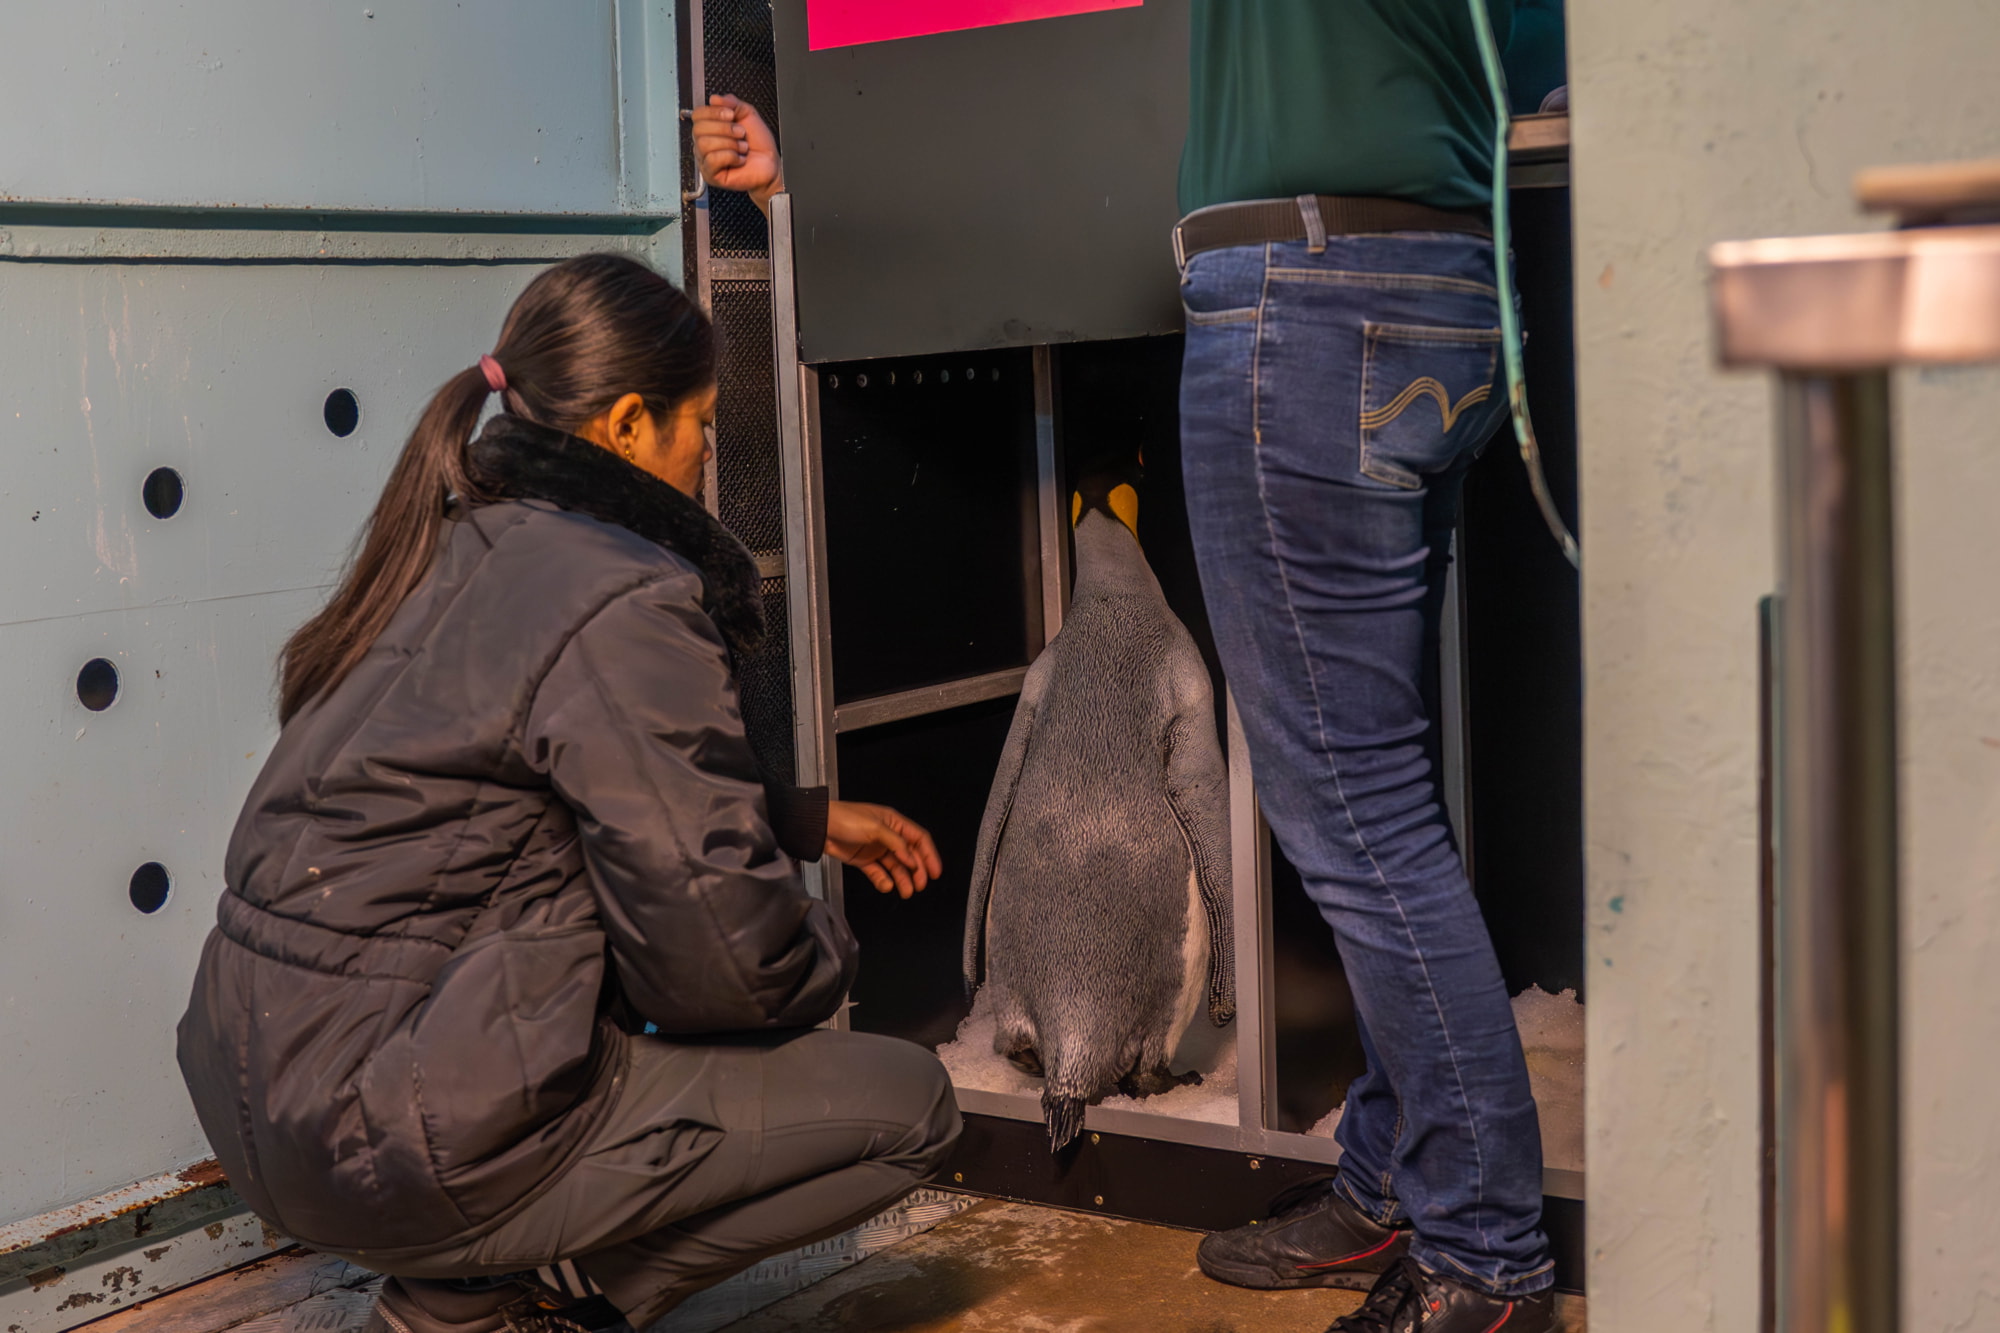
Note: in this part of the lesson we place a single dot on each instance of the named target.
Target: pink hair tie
(496, 378)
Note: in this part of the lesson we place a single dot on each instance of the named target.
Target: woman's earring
(630, 457)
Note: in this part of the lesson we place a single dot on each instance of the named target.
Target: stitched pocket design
(1427, 394)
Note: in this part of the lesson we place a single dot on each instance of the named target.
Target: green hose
(1503, 265)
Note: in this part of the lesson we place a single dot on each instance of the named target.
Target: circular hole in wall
(151, 887)
(97, 685)
(163, 492)
(342, 412)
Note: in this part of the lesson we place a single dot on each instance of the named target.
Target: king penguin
(1100, 887)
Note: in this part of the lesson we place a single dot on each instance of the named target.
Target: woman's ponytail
(396, 546)
(582, 335)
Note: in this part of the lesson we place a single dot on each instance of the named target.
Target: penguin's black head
(1112, 490)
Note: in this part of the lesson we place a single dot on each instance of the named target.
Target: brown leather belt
(1258, 221)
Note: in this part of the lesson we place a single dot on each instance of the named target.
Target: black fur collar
(519, 460)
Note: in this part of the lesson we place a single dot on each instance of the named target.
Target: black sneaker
(1409, 1300)
(1313, 1238)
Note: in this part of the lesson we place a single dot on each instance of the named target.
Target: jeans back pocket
(1428, 394)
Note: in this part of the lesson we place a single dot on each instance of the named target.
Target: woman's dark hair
(583, 335)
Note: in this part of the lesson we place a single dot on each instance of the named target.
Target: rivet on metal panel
(958, 1176)
(860, 381)
(1100, 1200)
(1096, 1138)
(1256, 1164)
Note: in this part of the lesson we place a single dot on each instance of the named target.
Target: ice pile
(1551, 1035)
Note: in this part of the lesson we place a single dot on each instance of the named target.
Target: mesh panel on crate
(749, 484)
(738, 56)
(764, 684)
(736, 230)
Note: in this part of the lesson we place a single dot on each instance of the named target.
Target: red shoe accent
(1505, 1315)
(1356, 1258)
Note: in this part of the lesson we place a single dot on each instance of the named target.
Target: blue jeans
(1330, 406)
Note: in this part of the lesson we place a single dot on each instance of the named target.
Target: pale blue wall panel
(90, 989)
(220, 372)
(206, 339)
(486, 106)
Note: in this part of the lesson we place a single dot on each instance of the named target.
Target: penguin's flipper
(1198, 791)
(999, 803)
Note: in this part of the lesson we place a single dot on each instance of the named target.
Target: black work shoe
(1409, 1300)
(1313, 1238)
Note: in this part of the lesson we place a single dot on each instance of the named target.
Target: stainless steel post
(805, 539)
(1832, 314)
(1838, 1148)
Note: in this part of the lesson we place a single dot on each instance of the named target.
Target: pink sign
(852, 22)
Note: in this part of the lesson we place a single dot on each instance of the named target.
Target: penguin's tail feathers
(1064, 1116)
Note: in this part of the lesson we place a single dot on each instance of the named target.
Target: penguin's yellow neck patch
(1125, 504)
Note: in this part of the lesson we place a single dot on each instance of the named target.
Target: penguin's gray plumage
(1100, 888)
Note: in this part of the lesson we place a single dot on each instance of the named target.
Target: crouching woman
(512, 820)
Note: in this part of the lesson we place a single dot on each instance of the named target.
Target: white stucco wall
(1696, 122)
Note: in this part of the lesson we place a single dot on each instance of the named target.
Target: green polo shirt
(1375, 97)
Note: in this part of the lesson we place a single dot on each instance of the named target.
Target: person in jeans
(1343, 368)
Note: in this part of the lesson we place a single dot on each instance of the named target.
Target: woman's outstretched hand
(896, 853)
(736, 149)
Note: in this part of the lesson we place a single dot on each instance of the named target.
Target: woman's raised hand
(736, 149)
(896, 853)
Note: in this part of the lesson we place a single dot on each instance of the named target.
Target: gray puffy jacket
(528, 818)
